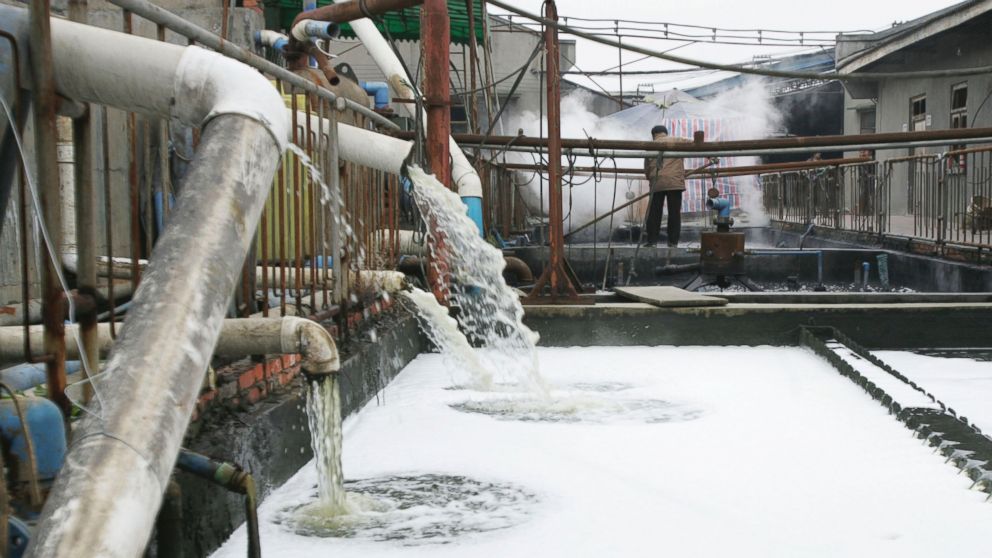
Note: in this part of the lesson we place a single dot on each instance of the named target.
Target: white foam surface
(961, 383)
(786, 458)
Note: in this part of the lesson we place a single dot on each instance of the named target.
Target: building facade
(953, 38)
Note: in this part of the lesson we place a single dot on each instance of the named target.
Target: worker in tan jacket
(666, 176)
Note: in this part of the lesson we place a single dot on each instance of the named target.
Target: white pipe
(12, 342)
(364, 147)
(308, 28)
(189, 83)
(288, 335)
(120, 267)
(106, 497)
(462, 173)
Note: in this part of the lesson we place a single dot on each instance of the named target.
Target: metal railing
(847, 197)
(310, 243)
(945, 198)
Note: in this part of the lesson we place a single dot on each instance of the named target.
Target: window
(959, 106)
(866, 121)
(918, 113)
(959, 119)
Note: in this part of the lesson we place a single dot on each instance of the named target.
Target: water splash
(489, 310)
(324, 417)
(443, 331)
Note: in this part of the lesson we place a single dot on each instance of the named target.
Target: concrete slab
(669, 297)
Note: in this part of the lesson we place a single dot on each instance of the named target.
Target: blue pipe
(27, 376)
(380, 91)
(47, 429)
(322, 29)
(279, 45)
(722, 205)
(865, 272)
(160, 211)
(817, 253)
(474, 210)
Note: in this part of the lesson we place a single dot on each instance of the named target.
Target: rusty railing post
(556, 274)
(53, 307)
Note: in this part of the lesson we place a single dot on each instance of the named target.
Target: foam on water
(788, 458)
(489, 310)
(415, 510)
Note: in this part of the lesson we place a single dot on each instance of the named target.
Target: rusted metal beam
(435, 41)
(719, 171)
(556, 275)
(358, 9)
(825, 142)
(45, 134)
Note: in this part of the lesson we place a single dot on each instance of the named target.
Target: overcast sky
(832, 15)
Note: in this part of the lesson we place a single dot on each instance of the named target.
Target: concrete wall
(271, 438)
(961, 47)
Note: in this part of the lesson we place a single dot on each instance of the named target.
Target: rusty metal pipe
(824, 143)
(435, 43)
(43, 93)
(343, 12)
(719, 171)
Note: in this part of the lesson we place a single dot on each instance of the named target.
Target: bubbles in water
(579, 408)
(415, 510)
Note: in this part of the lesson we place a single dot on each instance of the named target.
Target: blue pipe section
(18, 535)
(322, 29)
(28, 376)
(474, 207)
(160, 210)
(319, 262)
(279, 45)
(199, 465)
(379, 90)
(47, 428)
(721, 205)
(817, 253)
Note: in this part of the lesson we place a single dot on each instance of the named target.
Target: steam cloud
(749, 107)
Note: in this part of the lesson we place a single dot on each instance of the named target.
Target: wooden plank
(669, 297)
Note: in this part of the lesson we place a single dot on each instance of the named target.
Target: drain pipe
(287, 335)
(105, 499)
(463, 174)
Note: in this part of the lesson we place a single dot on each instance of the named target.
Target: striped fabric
(715, 129)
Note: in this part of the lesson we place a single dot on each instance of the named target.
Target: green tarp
(403, 25)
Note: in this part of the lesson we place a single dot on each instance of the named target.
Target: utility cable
(50, 246)
(863, 76)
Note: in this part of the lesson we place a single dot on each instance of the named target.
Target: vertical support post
(86, 275)
(53, 304)
(557, 274)
(435, 41)
(473, 55)
(337, 218)
(556, 241)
